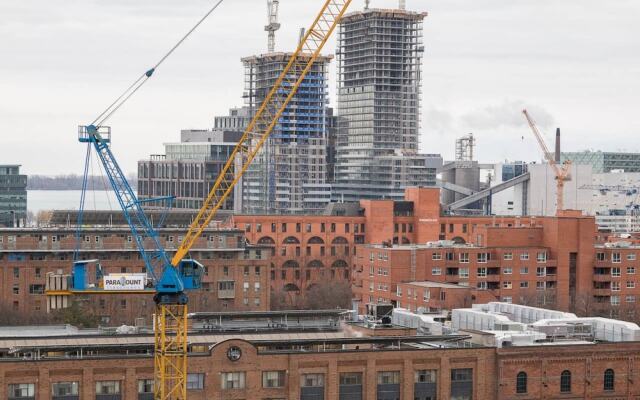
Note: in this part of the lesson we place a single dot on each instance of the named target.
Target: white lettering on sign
(124, 282)
(428, 220)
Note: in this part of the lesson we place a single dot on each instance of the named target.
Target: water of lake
(38, 200)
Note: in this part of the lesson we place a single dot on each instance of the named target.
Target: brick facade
(493, 373)
(27, 255)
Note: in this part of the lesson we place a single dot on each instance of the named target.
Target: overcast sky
(573, 63)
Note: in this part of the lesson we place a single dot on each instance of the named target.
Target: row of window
(565, 381)
(237, 380)
(484, 257)
(615, 257)
(284, 227)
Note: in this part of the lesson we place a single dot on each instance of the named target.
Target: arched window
(315, 264)
(290, 264)
(315, 240)
(609, 379)
(266, 240)
(339, 264)
(291, 240)
(565, 381)
(340, 240)
(521, 382)
(291, 287)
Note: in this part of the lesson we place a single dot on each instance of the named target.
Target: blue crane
(168, 282)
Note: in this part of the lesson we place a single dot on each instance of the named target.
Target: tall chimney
(558, 145)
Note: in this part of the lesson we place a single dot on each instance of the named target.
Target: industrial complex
(295, 250)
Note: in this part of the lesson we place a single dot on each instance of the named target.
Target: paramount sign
(124, 282)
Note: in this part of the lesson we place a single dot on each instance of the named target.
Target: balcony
(601, 292)
(601, 278)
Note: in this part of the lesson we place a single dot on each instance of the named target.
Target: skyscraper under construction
(289, 175)
(379, 59)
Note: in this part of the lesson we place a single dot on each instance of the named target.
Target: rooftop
(430, 284)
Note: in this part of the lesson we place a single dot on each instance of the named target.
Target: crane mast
(561, 172)
(272, 24)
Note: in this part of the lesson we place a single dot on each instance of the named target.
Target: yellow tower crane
(170, 278)
(171, 325)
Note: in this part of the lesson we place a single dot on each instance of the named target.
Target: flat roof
(269, 314)
(430, 284)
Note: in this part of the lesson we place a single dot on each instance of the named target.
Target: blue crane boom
(168, 281)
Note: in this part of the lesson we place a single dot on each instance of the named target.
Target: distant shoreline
(72, 182)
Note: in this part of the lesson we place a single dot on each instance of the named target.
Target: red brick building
(539, 260)
(320, 365)
(236, 276)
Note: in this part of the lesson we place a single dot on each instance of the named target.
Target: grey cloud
(507, 115)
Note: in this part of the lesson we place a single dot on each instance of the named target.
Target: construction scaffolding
(288, 176)
(379, 88)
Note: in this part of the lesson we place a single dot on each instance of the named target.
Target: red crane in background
(561, 171)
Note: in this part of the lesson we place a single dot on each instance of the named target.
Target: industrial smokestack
(557, 145)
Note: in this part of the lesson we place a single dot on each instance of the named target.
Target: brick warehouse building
(235, 279)
(390, 238)
(299, 251)
(320, 365)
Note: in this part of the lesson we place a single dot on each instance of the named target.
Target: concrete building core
(379, 58)
(289, 174)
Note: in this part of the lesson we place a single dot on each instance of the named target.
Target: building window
(565, 382)
(609, 380)
(631, 270)
(631, 256)
(426, 376)
(507, 270)
(521, 382)
(508, 256)
(464, 257)
(461, 384)
(350, 386)
(542, 256)
(631, 284)
(145, 386)
(22, 390)
(436, 256)
(601, 257)
(482, 257)
(482, 272)
(389, 378)
(463, 273)
(615, 272)
(108, 387)
(436, 271)
(232, 380)
(507, 285)
(615, 258)
(615, 300)
(312, 380)
(541, 271)
(62, 389)
(524, 270)
(630, 299)
(524, 256)
(273, 379)
(524, 285)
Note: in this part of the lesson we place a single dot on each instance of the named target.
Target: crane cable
(113, 107)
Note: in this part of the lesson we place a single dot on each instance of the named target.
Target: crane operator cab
(176, 280)
(191, 273)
